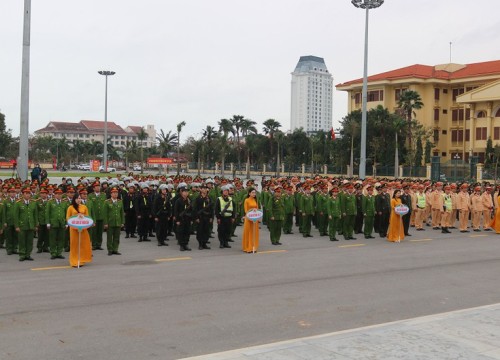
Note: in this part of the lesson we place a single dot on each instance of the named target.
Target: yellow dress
(495, 223)
(250, 229)
(396, 230)
(85, 245)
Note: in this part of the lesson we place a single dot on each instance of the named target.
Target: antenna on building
(450, 51)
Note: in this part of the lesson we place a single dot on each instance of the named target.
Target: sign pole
(79, 243)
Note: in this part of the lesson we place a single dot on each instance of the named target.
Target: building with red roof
(92, 130)
(461, 102)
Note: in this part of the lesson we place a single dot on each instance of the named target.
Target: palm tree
(208, 136)
(271, 126)
(352, 130)
(141, 136)
(408, 102)
(78, 148)
(237, 122)
(167, 141)
(179, 129)
(225, 127)
(398, 124)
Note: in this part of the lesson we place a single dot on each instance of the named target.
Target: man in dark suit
(406, 200)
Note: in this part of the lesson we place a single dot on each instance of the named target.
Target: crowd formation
(183, 206)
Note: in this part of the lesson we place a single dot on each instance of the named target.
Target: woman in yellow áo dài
(85, 250)
(495, 223)
(396, 231)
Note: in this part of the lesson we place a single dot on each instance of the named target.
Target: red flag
(332, 134)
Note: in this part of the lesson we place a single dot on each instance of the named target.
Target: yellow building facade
(461, 103)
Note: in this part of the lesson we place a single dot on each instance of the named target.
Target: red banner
(160, 161)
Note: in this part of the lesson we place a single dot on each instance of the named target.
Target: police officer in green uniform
(334, 214)
(322, 211)
(26, 223)
(10, 234)
(276, 212)
(349, 211)
(368, 208)
(289, 202)
(307, 209)
(42, 243)
(55, 217)
(114, 219)
(97, 200)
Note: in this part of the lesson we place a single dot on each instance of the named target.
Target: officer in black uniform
(203, 215)
(182, 218)
(143, 209)
(129, 202)
(383, 209)
(162, 212)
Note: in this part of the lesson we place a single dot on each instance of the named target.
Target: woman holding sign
(396, 231)
(250, 242)
(83, 254)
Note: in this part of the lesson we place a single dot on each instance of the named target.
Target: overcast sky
(203, 60)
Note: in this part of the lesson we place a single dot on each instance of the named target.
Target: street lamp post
(105, 154)
(367, 5)
(456, 158)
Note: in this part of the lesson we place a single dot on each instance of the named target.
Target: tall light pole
(105, 154)
(22, 162)
(367, 5)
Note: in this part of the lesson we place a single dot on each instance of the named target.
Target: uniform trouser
(445, 219)
(368, 229)
(428, 211)
(333, 227)
(306, 224)
(183, 231)
(234, 224)
(97, 231)
(2, 239)
(210, 227)
(453, 218)
(57, 237)
(419, 218)
(476, 219)
(66, 240)
(26, 243)
(298, 216)
(406, 223)
(288, 223)
(348, 225)
(113, 238)
(322, 223)
(376, 223)
(43, 238)
(275, 227)
(463, 218)
(413, 217)
(130, 222)
(486, 219)
(161, 228)
(436, 217)
(152, 225)
(224, 230)
(142, 226)
(384, 223)
(203, 232)
(358, 223)
(11, 239)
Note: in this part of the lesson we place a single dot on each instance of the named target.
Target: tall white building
(312, 87)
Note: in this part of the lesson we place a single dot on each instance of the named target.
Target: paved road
(157, 302)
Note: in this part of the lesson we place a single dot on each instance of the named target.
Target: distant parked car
(137, 168)
(84, 167)
(110, 169)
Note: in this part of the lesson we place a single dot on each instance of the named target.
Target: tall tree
(5, 137)
(419, 153)
(166, 142)
(225, 128)
(237, 122)
(270, 128)
(179, 129)
(208, 135)
(408, 102)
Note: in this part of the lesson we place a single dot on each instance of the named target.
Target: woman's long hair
(73, 202)
(250, 189)
(395, 192)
